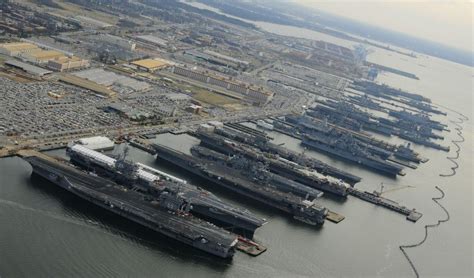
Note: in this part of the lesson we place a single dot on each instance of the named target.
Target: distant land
(282, 12)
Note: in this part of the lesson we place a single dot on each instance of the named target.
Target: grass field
(213, 98)
(70, 9)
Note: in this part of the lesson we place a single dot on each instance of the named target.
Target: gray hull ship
(155, 183)
(234, 180)
(167, 216)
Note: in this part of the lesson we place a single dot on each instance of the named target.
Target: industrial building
(130, 113)
(151, 65)
(33, 70)
(97, 143)
(14, 49)
(111, 79)
(249, 93)
(90, 22)
(86, 84)
(193, 108)
(67, 63)
(217, 58)
(118, 41)
(226, 58)
(153, 40)
(41, 56)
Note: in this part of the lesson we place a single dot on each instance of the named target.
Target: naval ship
(264, 145)
(258, 172)
(345, 147)
(168, 215)
(155, 183)
(304, 176)
(244, 183)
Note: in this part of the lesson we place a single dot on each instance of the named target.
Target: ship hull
(83, 187)
(199, 208)
(392, 171)
(225, 178)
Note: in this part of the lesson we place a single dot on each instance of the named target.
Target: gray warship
(306, 177)
(155, 183)
(242, 182)
(169, 215)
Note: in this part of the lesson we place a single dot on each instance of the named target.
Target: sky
(447, 22)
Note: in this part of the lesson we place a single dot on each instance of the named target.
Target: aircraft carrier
(244, 183)
(155, 183)
(345, 147)
(169, 215)
(264, 145)
(305, 176)
(258, 172)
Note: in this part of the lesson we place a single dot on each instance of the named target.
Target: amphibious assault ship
(244, 184)
(155, 183)
(168, 215)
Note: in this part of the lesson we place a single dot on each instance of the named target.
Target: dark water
(47, 232)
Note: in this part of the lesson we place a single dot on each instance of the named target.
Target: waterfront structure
(97, 143)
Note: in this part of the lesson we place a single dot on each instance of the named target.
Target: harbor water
(48, 232)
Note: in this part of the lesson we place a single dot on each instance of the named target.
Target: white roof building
(97, 143)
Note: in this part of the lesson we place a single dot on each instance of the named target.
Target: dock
(375, 198)
(403, 163)
(179, 131)
(248, 130)
(250, 247)
(142, 144)
(6, 152)
(335, 217)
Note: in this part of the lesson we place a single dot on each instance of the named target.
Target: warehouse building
(67, 63)
(111, 79)
(248, 92)
(97, 143)
(33, 70)
(118, 41)
(41, 56)
(151, 65)
(14, 49)
(149, 39)
(86, 84)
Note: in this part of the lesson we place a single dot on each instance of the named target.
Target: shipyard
(205, 138)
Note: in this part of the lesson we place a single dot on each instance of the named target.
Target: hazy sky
(448, 22)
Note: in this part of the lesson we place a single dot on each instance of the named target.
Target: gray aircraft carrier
(169, 215)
